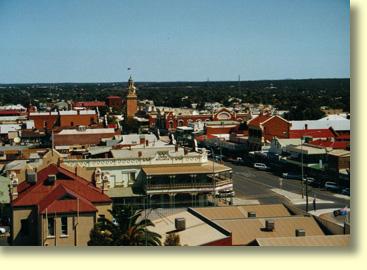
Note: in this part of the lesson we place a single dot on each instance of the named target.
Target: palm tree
(124, 229)
(172, 239)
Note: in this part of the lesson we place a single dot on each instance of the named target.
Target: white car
(2, 230)
(261, 166)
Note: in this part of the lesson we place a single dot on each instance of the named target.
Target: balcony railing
(193, 185)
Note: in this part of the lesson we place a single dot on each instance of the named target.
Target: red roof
(257, 121)
(343, 137)
(334, 145)
(113, 97)
(11, 112)
(89, 104)
(220, 129)
(62, 196)
(315, 133)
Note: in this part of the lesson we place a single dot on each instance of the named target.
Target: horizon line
(186, 81)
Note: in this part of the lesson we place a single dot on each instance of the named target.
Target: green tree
(127, 229)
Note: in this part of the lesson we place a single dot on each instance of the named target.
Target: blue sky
(169, 40)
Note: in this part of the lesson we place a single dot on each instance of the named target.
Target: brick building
(50, 120)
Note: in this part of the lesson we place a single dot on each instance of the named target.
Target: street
(252, 184)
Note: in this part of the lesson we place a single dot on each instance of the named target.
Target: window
(51, 226)
(132, 177)
(64, 225)
(24, 229)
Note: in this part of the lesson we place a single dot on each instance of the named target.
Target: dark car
(346, 191)
(332, 186)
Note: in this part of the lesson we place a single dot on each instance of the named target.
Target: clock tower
(131, 100)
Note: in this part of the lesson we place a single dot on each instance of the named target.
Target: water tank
(180, 224)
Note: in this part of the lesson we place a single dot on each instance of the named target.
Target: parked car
(291, 176)
(315, 183)
(261, 166)
(239, 161)
(346, 191)
(2, 230)
(332, 186)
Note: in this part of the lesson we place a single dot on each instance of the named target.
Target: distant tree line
(303, 98)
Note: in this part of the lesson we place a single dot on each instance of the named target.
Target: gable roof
(44, 195)
(257, 121)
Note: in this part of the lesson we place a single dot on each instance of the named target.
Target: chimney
(140, 154)
(251, 214)
(176, 147)
(180, 224)
(13, 187)
(142, 140)
(300, 232)
(269, 225)
(186, 151)
(147, 142)
(31, 177)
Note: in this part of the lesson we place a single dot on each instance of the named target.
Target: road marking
(341, 196)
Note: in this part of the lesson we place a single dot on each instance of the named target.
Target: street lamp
(213, 176)
(303, 180)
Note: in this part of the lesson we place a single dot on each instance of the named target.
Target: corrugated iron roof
(311, 241)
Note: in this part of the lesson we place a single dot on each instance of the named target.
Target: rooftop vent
(51, 179)
(31, 177)
(300, 232)
(180, 224)
(251, 214)
(269, 225)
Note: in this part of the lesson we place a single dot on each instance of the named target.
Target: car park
(332, 186)
(261, 166)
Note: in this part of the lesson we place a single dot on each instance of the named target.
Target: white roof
(335, 117)
(340, 124)
(135, 138)
(87, 131)
(196, 233)
(5, 128)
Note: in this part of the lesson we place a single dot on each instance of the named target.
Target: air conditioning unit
(51, 179)
(251, 214)
(82, 128)
(300, 232)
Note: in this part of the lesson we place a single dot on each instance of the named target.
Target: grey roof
(15, 165)
(341, 124)
(4, 189)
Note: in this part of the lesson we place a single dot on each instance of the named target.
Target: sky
(172, 40)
